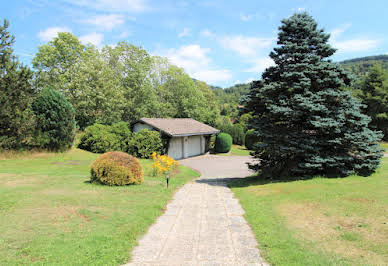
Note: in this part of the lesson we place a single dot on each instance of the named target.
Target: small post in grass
(167, 178)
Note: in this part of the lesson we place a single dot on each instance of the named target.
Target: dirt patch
(361, 200)
(331, 233)
(13, 180)
(69, 162)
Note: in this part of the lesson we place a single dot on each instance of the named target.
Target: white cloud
(247, 17)
(196, 63)
(213, 76)
(112, 5)
(245, 46)
(184, 33)
(93, 38)
(207, 33)
(50, 33)
(260, 64)
(351, 45)
(356, 45)
(124, 34)
(106, 22)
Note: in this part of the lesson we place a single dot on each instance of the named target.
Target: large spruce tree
(308, 123)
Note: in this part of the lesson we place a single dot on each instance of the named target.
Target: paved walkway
(203, 224)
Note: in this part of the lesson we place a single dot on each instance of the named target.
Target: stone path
(203, 224)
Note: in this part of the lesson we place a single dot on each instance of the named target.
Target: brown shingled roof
(180, 126)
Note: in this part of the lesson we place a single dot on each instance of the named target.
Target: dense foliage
(101, 138)
(236, 131)
(223, 143)
(373, 92)
(120, 83)
(144, 143)
(361, 66)
(55, 123)
(308, 124)
(251, 139)
(116, 169)
(16, 95)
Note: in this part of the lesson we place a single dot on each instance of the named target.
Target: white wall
(175, 148)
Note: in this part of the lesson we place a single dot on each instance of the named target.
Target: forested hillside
(360, 66)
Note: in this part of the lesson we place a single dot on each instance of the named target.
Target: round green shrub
(55, 121)
(117, 169)
(250, 139)
(223, 143)
(101, 138)
(144, 143)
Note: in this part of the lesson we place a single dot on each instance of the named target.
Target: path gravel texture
(204, 223)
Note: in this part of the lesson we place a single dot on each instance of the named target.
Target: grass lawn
(50, 215)
(322, 221)
(384, 145)
(237, 150)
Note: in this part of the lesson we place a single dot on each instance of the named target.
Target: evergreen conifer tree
(374, 94)
(15, 96)
(309, 125)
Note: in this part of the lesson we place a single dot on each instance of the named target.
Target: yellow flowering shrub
(163, 164)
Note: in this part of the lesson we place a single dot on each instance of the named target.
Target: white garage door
(194, 145)
(175, 150)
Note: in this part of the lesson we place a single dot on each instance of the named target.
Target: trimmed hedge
(117, 169)
(250, 139)
(223, 143)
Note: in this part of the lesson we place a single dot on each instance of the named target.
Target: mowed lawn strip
(237, 150)
(321, 221)
(50, 214)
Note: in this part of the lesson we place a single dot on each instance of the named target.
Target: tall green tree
(83, 75)
(16, 92)
(307, 123)
(374, 94)
(132, 65)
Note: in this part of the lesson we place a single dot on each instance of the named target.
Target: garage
(185, 137)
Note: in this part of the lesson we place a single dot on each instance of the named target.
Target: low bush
(116, 169)
(101, 138)
(250, 139)
(144, 143)
(55, 122)
(223, 143)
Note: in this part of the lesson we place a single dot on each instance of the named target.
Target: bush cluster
(117, 169)
(144, 143)
(101, 138)
(236, 131)
(118, 137)
(223, 143)
(250, 139)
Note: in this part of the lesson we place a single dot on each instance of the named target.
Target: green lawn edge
(51, 215)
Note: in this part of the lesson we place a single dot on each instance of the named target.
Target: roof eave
(195, 134)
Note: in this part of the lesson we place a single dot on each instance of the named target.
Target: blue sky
(220, 42)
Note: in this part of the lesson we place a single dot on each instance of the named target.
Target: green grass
(237, 150)
(322, 221)
(384, 145)
(50, 214)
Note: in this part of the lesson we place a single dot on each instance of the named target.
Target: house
(186, 137)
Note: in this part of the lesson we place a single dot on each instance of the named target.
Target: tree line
(107, 85)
